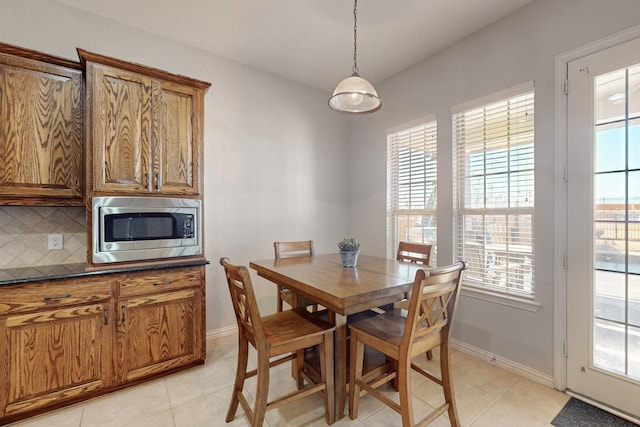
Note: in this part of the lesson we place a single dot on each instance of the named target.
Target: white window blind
(411, 186)
(494, 173)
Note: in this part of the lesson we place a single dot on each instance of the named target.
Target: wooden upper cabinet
(121, 130)
(40, 129)
(177, 155)
(144, 128)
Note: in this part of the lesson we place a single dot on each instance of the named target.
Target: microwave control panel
(188, 227)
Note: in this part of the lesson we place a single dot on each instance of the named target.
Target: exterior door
(603, 228)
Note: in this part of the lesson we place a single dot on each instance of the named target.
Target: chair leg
(262, 391)
(356, 356)
(299, 367)
(429, 355)
(326, 371)
(394, 381)
(279, 300)
(241, 370)
(447, 384)
(404, 389)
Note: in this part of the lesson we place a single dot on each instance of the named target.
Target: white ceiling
(310, 41)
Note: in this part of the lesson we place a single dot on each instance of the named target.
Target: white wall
(274, 152)
(275, 163)
(516, 49)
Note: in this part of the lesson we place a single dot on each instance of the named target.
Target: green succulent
(349, 245)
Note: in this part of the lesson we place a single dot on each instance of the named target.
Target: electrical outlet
(56, 242)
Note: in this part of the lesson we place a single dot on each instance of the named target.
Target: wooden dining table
(343, 291)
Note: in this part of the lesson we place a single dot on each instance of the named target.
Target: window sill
(500, 298)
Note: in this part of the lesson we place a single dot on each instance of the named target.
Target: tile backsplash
(24, 235)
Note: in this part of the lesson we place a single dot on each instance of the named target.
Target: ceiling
(310, 41)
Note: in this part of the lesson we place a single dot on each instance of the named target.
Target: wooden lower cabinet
(57, 339)
(68, 340)
(162, 330)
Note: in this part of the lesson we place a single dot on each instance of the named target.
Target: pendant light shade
(355, 95)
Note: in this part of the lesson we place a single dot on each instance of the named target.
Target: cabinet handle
(124, 308)
(146, 185)
(157, 181)
(105, 314)
(48, 298)
(163, 283)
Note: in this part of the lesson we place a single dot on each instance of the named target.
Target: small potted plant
(349, 250)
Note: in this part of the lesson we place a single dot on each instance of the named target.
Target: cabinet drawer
(52, 294)
(160, 281)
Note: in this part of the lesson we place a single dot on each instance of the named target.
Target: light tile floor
(486, 396)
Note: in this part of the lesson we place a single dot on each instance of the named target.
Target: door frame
(560, 199)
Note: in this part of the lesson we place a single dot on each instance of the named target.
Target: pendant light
(355, 95)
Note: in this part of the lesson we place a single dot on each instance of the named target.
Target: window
(411, 186)
(494, 196)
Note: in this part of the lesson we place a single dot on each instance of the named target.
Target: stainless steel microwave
(141, 228)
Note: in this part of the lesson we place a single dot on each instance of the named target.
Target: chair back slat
(293, 249)
(244, 303)
(414, 252)
(433, 301)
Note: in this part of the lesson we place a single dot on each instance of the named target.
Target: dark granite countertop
(14, 276)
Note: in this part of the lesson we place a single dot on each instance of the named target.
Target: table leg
(341, 349)
(340, 360)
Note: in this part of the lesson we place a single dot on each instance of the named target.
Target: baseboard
(504, 363)
(222, 332)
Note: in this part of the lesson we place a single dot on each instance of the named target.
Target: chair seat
(384, 327)
(385, 331)
(289, 327)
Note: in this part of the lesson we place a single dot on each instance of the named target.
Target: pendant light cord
(355, 95)
(355, 37)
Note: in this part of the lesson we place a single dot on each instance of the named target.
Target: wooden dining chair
(419, 253)
(401, 336)
(277, 338)
(282, 250)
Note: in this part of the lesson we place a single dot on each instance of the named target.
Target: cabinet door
(120, 125)
(177, 138)
(53, 356)
(159, 332)
(40, 132)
